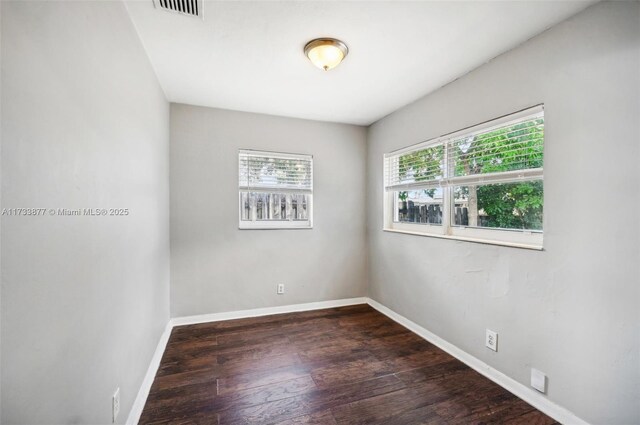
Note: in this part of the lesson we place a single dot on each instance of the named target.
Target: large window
(275, 190)
(483, 183)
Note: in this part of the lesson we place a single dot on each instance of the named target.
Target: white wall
(571, 310)
(216, 267)
(84, 125)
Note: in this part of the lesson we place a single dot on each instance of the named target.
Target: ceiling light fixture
(326, 53)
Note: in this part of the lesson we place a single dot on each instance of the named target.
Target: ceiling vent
(185, 7)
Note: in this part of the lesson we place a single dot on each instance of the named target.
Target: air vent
(185, 7)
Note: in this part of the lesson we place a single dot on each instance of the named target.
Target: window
(275, 190)
(484, 183)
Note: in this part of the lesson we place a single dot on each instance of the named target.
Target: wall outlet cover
(280, 288)
(491, 340)
(538, 380)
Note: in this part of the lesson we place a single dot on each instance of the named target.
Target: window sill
(305, 226)
(468, 239)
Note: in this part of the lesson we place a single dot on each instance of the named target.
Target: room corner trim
(241, 314)
(145, 387)
(538, 401)
(532, 397)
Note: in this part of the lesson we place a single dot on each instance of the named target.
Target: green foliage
(505, 149)
(423, 165)
(512, 205)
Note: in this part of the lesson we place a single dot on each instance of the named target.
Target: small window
(275, 190)
(483, 183)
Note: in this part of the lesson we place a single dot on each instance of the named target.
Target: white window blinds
(420, 167)
(507, 149)
(275, 172)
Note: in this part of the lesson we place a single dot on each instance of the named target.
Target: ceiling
(248, 55)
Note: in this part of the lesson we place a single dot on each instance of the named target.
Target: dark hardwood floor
(348, 365)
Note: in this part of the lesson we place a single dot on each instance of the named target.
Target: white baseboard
(531, 396)
(145, 387)
(256, 312)
(527, 394)
(143, 393)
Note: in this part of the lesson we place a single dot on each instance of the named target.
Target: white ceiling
(247, 55)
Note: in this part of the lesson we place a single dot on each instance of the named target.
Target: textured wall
(571, 310)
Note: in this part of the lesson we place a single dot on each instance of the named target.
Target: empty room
(319, 212)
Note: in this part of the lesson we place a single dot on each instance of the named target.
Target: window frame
(532, 239)
(275, 224)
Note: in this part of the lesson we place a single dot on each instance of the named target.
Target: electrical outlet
(280, 288)
(115, 404)
(491, 340)
(538, 380)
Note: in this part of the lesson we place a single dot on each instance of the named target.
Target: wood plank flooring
(348, 365)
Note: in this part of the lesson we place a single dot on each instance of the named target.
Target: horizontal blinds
(275, 172)
(507, 149)
(423, 166)
(517, 146)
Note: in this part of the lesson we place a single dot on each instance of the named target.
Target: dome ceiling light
(326, 53)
